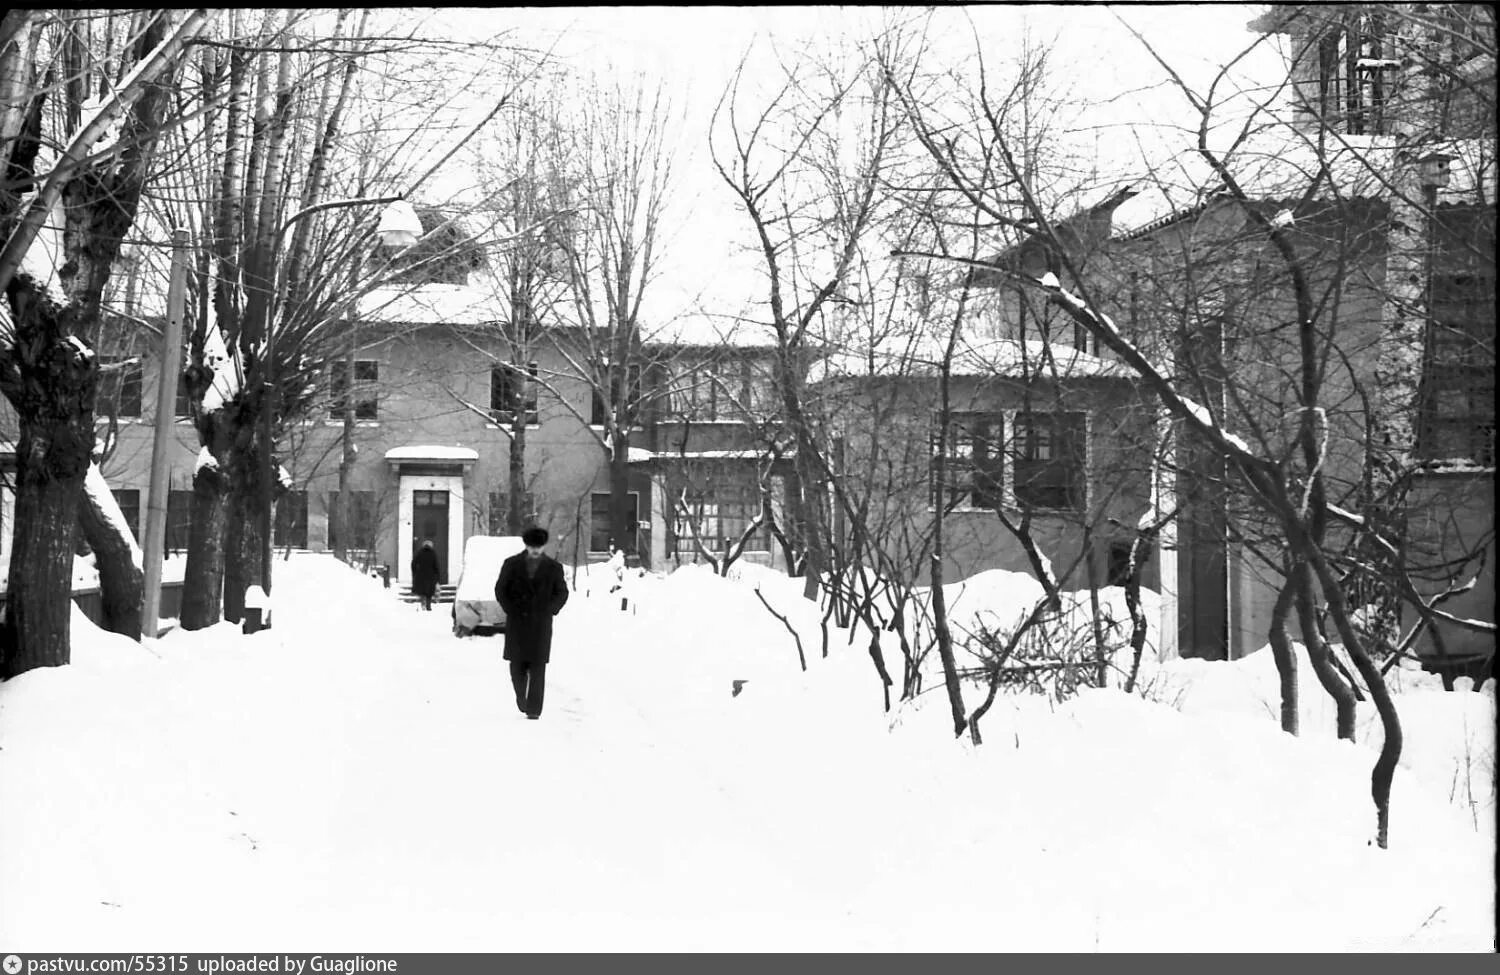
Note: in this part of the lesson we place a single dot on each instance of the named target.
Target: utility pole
(166, 396)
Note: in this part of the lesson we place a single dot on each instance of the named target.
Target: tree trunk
(1281, 652)
(515, 508)
(241, 548)
(1318, 653)
(203, 581)
(619, 495)
(121, 578)
(53, 395)
(39, 597)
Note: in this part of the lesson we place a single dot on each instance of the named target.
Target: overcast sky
(694, 50)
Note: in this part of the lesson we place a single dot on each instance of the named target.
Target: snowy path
(359, 779)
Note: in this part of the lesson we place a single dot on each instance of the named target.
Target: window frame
(968, 482)
(711, 504)
(113, 385)
(502, 375)
(1003, 461)
(131, 512)
(594, 531)
(337, 383)
(1075, 481)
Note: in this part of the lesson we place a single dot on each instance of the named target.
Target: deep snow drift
(359, 779)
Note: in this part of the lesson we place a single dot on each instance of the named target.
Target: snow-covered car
(475, 611)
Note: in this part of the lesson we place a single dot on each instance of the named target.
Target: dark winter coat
(530, 604)
(424, 572)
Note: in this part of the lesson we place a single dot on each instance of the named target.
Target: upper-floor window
(1351, 72)
(732, 389)
(119, 391)
(366, 395)
(511, 392)
(631, 404)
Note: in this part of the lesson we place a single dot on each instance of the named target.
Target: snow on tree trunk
(121, 578)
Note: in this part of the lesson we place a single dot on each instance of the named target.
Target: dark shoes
(534, 717)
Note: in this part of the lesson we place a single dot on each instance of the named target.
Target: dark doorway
(429, 522)
(1203, 574)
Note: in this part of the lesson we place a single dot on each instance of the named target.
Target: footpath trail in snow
(359, 779)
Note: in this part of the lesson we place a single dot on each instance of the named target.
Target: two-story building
(433, 400)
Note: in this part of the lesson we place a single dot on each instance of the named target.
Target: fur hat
(535, 537)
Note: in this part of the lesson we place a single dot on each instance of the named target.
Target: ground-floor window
(129, 500)
(1026, 459)
(291, 520)
(1049, 461)
(600, 536)
(714, 515)
(500, 506)
(179, 520)
(363, 521)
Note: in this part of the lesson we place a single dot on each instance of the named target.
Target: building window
(129, 500)
(182, 406)
(974, 464)
(600, 410)
(1117, 572)
(366, 392)
(599, 531)
(500, 506)
(734, 389)
(510, 392)
(179, 520)
(291, 520)
(1049, 452)
(1458, 366)
(1350, 85)
(363, 521)
(119, 391)
(714, 516)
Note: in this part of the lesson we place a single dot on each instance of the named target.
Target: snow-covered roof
(431, 452)
(1273, 167)
(972, 357)
(483, 304)
(703, 455)
(446, 304)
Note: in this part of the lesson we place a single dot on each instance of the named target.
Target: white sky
(693, 52)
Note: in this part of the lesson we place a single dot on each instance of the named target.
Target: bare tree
(305, 134)
(106, 112)
(620, 142)
(1272, 411)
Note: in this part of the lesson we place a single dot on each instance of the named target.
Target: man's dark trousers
(530, 680)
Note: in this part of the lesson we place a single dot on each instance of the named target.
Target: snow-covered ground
(358, 778)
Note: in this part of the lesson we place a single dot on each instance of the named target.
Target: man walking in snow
(531, 590)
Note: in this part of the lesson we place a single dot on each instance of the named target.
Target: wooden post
(166, 398)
